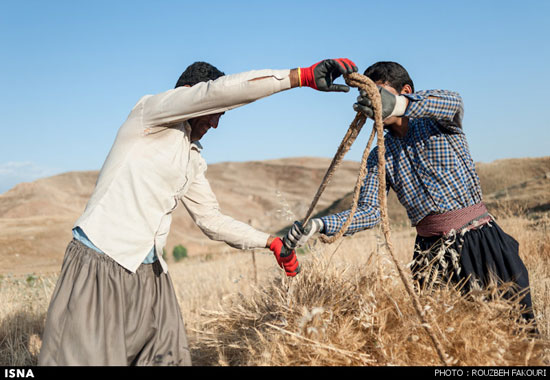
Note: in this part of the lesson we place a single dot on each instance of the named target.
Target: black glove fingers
(336, 64)
(329, 70)
(369, 112)
(331, 86)
(364, 101)
(353, 67)
(346, 65)
(294, 234)
(350, 66)
(339, 88)
(293, 237)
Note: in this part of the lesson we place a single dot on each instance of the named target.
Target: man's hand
(289, 263)
(299, 235)
(321, 75)
(392, 105)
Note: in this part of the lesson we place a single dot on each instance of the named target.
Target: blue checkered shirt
(430, 168)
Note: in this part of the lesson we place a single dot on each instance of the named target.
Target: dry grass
(24, 303)
(347, 307)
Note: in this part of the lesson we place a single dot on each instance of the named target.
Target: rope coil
(364, 83)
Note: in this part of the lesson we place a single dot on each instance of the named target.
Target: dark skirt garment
(474, 258)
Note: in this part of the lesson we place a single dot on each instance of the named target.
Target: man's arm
(217, 96)
(235, 90)
(446, 107)
(293, 77)
(366, 216)
(203, 207)
(201, 203)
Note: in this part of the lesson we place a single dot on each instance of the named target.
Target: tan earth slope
(36, 218)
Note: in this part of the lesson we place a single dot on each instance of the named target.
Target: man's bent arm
(446, 107)
(220, 95)
(367, 214)
(201, 203)
(235, 90)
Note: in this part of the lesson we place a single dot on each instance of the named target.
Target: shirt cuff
(258, 240)
(414, 104)
(331, 225)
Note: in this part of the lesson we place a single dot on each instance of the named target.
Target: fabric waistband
(456, 220)
(78, 247)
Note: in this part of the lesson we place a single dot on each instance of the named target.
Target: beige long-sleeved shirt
(153, 164)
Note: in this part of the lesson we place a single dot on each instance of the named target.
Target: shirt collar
(194, 145)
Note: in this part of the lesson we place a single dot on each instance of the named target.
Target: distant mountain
(516, 185)
(509, 186)
(36, 218)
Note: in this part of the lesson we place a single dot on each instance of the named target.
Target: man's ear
(407, 89)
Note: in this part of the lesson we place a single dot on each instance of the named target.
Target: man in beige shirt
(114, 302)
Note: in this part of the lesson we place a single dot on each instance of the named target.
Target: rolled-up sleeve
(201, 203)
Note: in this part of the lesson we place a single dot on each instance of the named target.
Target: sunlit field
(348, 306)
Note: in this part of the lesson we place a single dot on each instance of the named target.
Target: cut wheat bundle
(364, 83)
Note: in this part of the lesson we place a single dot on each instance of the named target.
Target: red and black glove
(286, 260)
(321, 75)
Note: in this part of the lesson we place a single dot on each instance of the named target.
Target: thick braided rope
(345, 145)
(361, 81)
(356, 192)
(364, 83)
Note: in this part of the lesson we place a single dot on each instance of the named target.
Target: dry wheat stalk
(364, 83)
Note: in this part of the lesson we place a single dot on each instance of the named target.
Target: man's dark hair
(391, 72)
(198, 72)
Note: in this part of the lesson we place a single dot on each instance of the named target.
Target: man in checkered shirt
(430, 168)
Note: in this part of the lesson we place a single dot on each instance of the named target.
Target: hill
(36, 218)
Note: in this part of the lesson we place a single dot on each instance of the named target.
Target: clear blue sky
(70, 72)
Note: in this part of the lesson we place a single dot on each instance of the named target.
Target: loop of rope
(364, 83)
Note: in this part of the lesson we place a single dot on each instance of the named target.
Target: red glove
(321, 75)
(288, 263)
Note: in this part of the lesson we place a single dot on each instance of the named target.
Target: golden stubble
(347, 307)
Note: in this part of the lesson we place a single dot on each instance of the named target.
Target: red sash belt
(442, 224)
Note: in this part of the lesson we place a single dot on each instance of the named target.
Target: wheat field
(347, 307)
